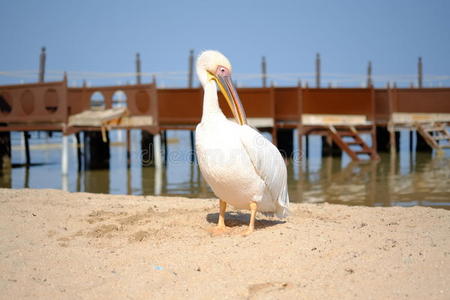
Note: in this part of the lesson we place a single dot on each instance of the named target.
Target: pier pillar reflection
(96, 181)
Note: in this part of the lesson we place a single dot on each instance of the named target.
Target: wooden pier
(425, 111)
(341, 115)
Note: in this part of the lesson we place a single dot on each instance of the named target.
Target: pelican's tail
(278, 208)
(282, 205)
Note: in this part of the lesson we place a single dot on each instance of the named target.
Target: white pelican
(242, 167)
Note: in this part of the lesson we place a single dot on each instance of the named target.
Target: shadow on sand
(237, 219)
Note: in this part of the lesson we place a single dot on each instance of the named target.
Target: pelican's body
(243, 168)
(223, 154)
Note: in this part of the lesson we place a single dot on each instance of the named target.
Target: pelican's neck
(211, 106)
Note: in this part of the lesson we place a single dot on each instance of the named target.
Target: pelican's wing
(269, 165)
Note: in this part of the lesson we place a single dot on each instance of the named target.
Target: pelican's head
(214, 66)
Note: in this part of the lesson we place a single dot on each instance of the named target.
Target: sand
(58, 245)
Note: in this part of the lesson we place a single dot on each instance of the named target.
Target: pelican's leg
(220, 228)
(223, 208)
(251, 226)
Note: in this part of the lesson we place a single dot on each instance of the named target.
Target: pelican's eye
(222, 71)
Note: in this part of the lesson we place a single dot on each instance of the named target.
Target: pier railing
(47, 106)
(42, 105)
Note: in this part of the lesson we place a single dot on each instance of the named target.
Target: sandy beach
(59, 245)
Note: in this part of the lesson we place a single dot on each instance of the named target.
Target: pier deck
(335, 113)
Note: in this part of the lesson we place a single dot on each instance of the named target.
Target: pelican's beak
(223, 79)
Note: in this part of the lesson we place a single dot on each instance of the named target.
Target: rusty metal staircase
(364, 153)
(433, 133)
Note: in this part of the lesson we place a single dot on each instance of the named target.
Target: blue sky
(103, 36)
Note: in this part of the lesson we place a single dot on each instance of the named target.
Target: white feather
(270, 166)
(239, 164)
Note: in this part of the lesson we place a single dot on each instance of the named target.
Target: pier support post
(317, 70)
(264, 71)
(26, 136)
(164, 141)
(307, 146)
(419, 72)
(192, 137)
(138, 68)
(157, 150)
(384, 139)
(410, 141)
(329, 148)
(96, 152)
(394, 140)
(300, 157)
(42, 58)
(77, 136)
(421, 144)
(285, 140)
(128, 148)
(5, 151)
(65, 156)
(191, 69)
(146, 148)
(158, 181)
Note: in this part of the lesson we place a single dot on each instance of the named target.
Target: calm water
(410, 179)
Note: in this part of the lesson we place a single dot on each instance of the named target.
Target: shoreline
(56, 244)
